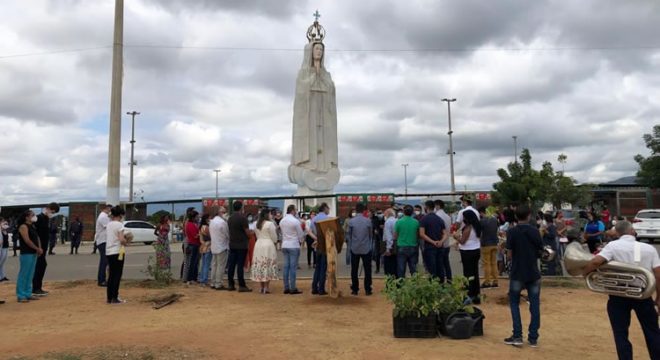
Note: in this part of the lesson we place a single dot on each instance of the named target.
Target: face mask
(353, 214)
(418, 213)
(400, 215)
(34, 218)
(379, 216)
(250, 219)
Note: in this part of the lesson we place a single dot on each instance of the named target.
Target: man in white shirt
(445, 267)
(100, 238)
(628, 250)
(292, 237)
(467, 205)
(389, 258)
(219, 231)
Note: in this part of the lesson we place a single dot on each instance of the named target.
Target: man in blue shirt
(360, 232)
(433, 232)
(524, 246)
(318, 281)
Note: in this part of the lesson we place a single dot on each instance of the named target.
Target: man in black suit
(43, 229)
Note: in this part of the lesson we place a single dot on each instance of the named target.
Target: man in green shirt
(406, 231)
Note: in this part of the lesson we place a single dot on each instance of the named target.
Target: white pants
(218, 266)
(4, 253)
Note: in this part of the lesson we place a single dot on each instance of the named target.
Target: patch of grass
(564, 282)
(70, 284)
(124, 353)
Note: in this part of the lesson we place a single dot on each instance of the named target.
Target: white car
(142, 231)
(647, 224)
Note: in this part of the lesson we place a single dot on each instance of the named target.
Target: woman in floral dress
(163, 255)
(264, 260)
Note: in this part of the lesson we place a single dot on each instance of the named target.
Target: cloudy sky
(214, 81)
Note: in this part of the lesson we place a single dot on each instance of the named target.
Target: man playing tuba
(628, 250)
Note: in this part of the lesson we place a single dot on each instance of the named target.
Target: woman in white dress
(264, 260)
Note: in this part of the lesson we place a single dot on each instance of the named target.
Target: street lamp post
(405, 178)
(451, 146)
(133, 162)
(515, 148)
(217, 171)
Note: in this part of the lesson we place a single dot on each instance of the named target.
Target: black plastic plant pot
(415, 327)
(461, 325)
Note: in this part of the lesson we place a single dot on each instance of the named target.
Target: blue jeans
(534, 294)
(193, 264)
(25, 276)
(445, 268)
(318, 282)
(103, 264)
(406, 255)
(291, 257)
(206, 266)
(618, 309)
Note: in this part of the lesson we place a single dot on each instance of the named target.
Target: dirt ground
(74, 322)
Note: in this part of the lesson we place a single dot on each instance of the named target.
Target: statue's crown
(316, 32)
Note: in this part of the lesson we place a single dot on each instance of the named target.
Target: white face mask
(400, 215)
(353, 214)
(418, 213)
(34, 218)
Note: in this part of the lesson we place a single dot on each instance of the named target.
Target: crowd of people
(509, 241)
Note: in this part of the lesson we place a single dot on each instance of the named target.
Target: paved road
(83, 266)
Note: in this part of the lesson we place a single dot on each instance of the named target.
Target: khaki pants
(489, 256)
(218, 266)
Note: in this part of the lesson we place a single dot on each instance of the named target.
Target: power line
(417, 50)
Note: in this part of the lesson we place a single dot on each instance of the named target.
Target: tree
(562, 160)
(649, 167)
(523, 184)
(155, 217)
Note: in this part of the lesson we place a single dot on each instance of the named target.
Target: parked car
(142, 231)
(647, 224)
(574, 217)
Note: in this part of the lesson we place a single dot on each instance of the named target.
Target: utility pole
(114, 136)
(217, 171)
(451, 147)
(405, 178)
(515, 149)
(133, 162)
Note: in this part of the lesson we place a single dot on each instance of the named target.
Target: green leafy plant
(161, 274)
(420, 295)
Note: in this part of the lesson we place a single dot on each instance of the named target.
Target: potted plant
(416, 301)
(456, 317)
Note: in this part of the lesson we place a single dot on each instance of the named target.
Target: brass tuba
(613, 278)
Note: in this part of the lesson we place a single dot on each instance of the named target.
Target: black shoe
(485, 285)
(532, 342)
(31, 298)
(515, 341)
(231, 288)
(103, 284)
(369, 293)
(40, 293)
(222, 288)
(314, 292)
(244, 289)
(4, 279)
(295, 292)
(494, 285)
(322, 293)
(354, 293)
(286, 291)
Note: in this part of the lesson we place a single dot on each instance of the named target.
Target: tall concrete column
(114, 137)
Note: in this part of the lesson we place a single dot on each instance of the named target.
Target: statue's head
(317, 51)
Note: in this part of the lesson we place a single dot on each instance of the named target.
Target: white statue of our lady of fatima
(314, 163)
